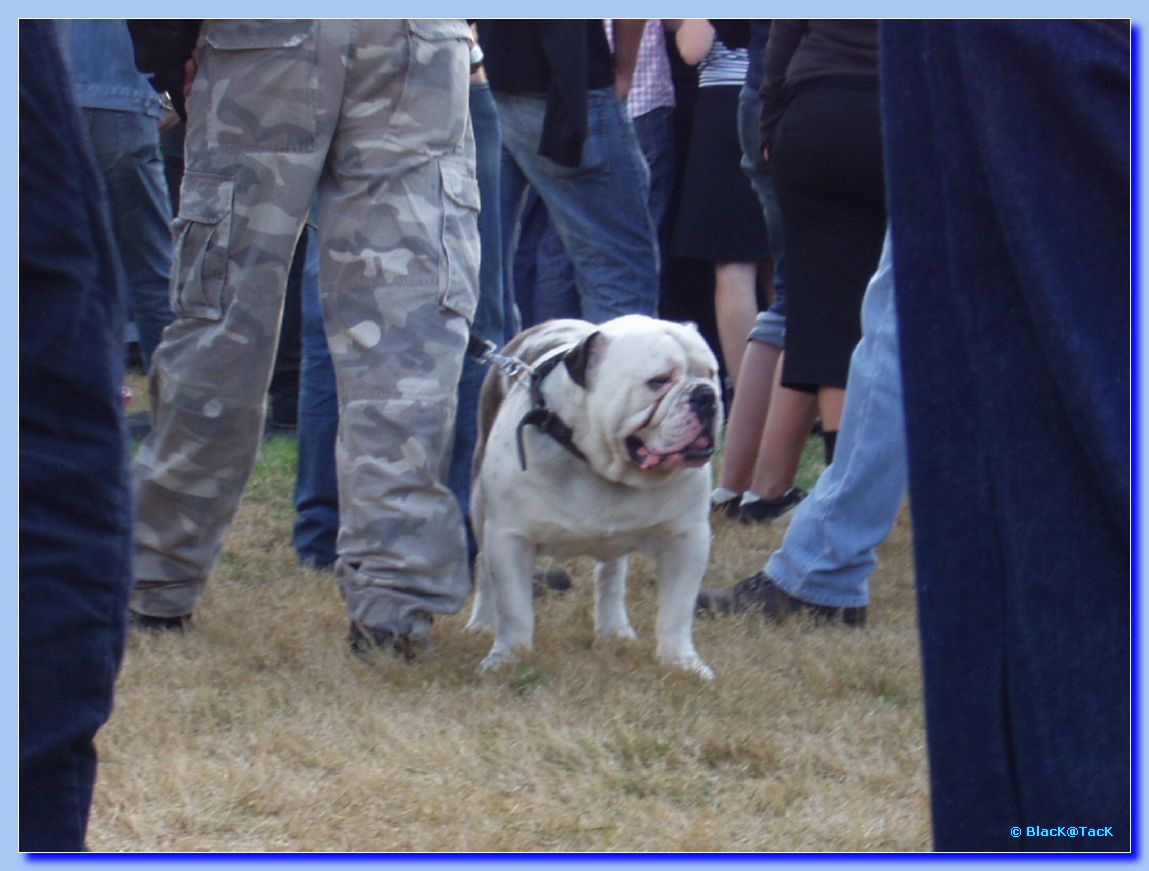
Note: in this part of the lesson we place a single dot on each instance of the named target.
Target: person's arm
(694, 39)
(783, 42)
(627, 36)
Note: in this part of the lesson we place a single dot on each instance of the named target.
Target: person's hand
(168, 120)
(765, 154)
(622, 84)
(190, 70)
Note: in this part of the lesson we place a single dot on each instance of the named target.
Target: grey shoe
(759, 593)
(367, 642)
(157, 625)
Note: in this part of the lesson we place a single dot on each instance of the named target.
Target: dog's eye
(659, 383)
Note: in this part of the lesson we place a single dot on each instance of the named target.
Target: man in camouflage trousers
(371, 118)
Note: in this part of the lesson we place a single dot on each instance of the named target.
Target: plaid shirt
(653, 87)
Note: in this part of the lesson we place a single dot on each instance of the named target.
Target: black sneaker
(366, 642)
(148, 623)
(729, 507)
(550, 580)
(759, 593)
(769, 510)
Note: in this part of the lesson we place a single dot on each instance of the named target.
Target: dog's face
(649, 399)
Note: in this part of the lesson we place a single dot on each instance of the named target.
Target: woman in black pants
(822, 129)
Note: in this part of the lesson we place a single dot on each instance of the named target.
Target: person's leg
(127, 149)
(75, 506)
(211, 371)
(655, 133)
(828, 553)
(747, 418)
(827, 170)
(556, 292)
(1013, 303)
(735, 308)
(788, 424)
(399, 286)
(831, 401)
(316, 483)
(491, 319)
(285, 374)
(613, 249)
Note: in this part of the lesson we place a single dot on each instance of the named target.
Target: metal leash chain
(487, 353)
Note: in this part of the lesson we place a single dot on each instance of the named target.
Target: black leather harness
(543, 418)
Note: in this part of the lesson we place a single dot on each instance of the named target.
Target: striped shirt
(723, 66)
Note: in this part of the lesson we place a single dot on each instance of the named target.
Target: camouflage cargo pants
(370, 116)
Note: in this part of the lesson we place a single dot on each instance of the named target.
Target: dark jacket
(162, 47)
(560, 60)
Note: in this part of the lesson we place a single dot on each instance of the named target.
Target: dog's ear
(577, 359)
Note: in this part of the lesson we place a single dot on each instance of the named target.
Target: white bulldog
(602, 450)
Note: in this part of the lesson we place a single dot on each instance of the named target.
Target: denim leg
(829, 550)
(599, 207)
(532, 221)
(655, 133)
(316, 485)
(515, 193)
(556, 293)
(758, 171)
(1008, 150)
(127, 146)
(491, 317)
(75, 507)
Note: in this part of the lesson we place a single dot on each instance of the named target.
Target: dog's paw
(689, 662)
(476, 625)
(496, 659)
(622, 632)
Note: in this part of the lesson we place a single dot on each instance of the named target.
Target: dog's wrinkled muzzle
(692, 441)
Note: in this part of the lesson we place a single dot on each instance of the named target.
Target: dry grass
(258, 731)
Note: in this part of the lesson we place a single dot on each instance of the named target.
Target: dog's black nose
(703, 402)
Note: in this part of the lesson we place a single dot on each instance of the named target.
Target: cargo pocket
(202, 233)
(263, 84)
(431, 115)
(459, 275)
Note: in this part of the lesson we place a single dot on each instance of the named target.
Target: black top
(559, 59)
(523, 57)
(804, 50)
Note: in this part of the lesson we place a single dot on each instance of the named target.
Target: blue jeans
(770, 326)
(316, 487)
(127, 147)
(829, 551)
(494, 316)
(75, 505)
(599, 208)
(543, 278)
(1008, 155)
(655, 133)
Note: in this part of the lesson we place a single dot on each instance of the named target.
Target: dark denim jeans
(1008, 163)
(127, 147)
(599, 208)
(316, 484)
(75, 508)
(494, 316)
